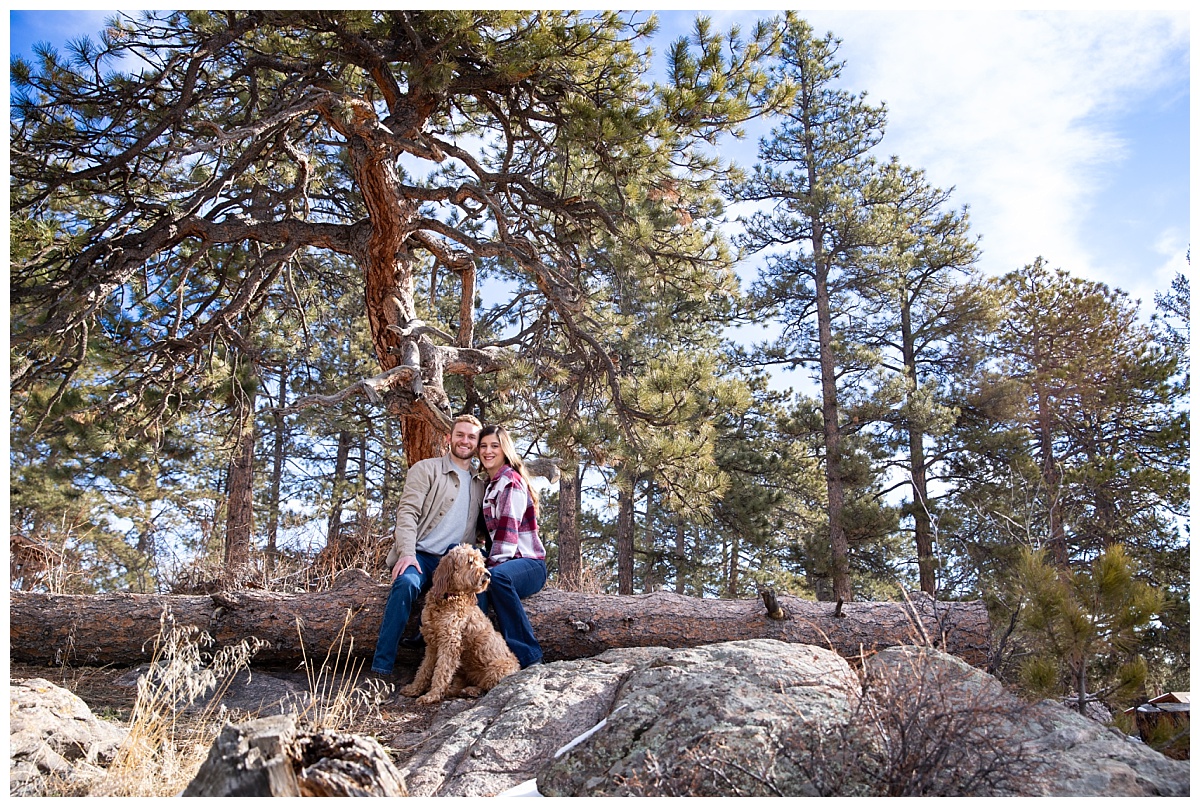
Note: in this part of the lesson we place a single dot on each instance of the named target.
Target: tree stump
(270, 756)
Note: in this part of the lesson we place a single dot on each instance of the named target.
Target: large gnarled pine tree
(409, 141)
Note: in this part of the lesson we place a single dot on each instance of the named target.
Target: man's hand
(402, 564)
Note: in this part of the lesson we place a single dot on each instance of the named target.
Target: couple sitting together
(442, 502)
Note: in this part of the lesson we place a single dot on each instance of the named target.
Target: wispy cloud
(1022, 112)
(1065, 132)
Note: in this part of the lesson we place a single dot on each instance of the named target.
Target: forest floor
(399, 724)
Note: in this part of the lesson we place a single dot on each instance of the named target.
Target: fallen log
(119, 629)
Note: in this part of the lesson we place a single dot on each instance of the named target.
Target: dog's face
(462, 571)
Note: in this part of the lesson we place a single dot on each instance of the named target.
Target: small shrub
(925, 734)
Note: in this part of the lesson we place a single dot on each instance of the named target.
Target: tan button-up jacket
(429, 492)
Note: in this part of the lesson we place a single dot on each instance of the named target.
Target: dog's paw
(428, 698)
(411, 691)
(472, 692)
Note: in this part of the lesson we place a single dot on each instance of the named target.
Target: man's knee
(406, 588)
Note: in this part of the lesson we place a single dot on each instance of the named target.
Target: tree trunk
(816, 569)
(926, 563)
(239, 522)
(923, 523)
(385, 493)
(649, 578)
(421, 439)
(141, 565)
(839, 548)
(1081, 686)
(118, 628)
(334, 529)
(1051, 477)
(570, 499)
(680, 557)
(624, 532)
(570, 555)
(360, 488)
(277, 471)
(388, 266)
(732, 590)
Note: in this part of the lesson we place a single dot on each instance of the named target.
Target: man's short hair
(474, 421)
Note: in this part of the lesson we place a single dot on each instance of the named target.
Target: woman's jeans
(512, 581)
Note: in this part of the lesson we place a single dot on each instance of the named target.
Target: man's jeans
(405, 590)
(511, 581)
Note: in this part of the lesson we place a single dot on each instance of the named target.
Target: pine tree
(931, 310)
(1085, 622)
(1101, 415)
(1073, 440)
(395, 138)
(1174, 321)
(816, 172)
(775, 493)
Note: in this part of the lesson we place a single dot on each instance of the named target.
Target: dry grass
(177, 713)
(336, 697)
(362, 545)
(164, 747)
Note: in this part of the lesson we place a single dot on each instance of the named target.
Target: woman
(517, 559)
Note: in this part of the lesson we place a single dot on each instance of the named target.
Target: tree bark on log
(120, 628)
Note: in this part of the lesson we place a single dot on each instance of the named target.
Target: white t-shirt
(449, 531)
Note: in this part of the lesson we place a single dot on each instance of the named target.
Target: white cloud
(1049, 125)
(1019, 111)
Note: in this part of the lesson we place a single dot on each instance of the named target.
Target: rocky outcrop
(769, 718)
(1092, 759)
(512, 732)
(54, 735)
(1000, 745)
(711, 721)
(755, 717)
(531, 719)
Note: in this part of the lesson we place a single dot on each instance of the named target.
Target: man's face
(463, 440)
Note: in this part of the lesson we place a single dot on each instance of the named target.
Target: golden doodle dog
(464, 655)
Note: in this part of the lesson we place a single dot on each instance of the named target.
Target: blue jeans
(512, 581)
(405, 590)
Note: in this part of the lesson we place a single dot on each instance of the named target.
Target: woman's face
(490, 455)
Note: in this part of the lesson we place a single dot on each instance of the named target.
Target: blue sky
(1067, 133)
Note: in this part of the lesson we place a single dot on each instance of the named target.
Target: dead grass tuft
(177, 713)
(336, 696)
(165, 745)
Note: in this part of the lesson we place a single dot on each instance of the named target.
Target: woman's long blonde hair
(512, 459)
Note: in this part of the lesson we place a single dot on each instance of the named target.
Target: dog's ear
(441, 577)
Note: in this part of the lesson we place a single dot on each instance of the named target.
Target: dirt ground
(110, 692)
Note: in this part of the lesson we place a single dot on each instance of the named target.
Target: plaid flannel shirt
(511, 520)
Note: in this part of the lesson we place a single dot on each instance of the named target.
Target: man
(438, 509)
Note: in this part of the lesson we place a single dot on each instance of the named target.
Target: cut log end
(771, 601)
